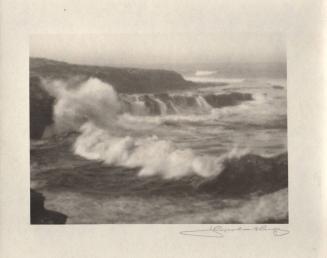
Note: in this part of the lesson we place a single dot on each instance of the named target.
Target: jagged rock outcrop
(41, 108)
(230, 99)
(40, 215)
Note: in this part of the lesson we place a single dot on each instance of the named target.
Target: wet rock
(151, 104)
(41, 108)
(230, 99)
(40, 215)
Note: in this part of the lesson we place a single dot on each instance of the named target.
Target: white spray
(93, 108)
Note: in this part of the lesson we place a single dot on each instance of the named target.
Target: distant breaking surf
(204, 73)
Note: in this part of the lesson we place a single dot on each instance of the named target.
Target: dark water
(147, 158)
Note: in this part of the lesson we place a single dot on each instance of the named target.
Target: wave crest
(94, 108)
(152, 155)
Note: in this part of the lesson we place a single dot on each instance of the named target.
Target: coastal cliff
(124, 80)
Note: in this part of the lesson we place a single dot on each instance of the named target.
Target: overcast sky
(127, 32)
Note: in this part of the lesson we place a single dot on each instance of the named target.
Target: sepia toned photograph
(163, 128)
(176, 129)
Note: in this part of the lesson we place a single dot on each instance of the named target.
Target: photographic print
(158, 128)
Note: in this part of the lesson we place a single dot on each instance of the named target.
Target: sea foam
(94, 109)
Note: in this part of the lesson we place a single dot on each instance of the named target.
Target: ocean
(213, 153)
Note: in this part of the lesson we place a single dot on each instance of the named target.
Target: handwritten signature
(220, 231)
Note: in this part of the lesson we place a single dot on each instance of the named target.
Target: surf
(95, 110)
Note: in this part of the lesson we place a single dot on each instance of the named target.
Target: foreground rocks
(41, 108)
(40, 215)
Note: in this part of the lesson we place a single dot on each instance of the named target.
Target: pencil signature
(220, 231)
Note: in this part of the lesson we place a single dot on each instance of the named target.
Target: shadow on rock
(40, 215)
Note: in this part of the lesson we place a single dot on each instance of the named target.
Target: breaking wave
(204, 73)
(152, 155)
(215, 80)
(95, 110)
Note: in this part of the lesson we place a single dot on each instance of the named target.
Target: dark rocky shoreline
(40, 215)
